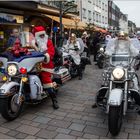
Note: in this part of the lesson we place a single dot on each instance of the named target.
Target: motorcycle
(100, 57)
(68, 62)
(22, 83)
(117, 94)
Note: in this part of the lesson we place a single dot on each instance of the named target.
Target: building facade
(113, 16)
(65, 4)
(94, 12)
(131, 27)
(123, 23)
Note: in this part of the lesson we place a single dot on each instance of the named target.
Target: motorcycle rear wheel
(10, 110)
(115, 119)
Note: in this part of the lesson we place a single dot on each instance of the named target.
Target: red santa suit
(45, 45)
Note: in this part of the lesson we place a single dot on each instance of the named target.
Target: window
(103, 19)
(93, 2)
(100, 3)
(97, 3)
(84, 13)
(100, 18)
(102, 6)
(105, 7)
(89, 14)
(106, 21)
(93, 16)
(96, 17)
(89, 1)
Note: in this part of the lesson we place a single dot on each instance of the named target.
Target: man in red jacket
(45, 45)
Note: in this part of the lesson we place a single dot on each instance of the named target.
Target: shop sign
(10, 18)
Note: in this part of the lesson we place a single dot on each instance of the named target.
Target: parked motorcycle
(100, 57)
(117, 93)
(22, 83)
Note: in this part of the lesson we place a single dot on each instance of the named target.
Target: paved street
(74, 119)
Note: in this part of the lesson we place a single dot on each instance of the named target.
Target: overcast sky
(130, 7)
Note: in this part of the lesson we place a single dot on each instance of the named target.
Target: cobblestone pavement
(75, 118)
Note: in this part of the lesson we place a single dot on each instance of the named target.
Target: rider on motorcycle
(74, 46)
(120, 45)
(45, 45)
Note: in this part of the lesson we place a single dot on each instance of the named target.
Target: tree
(90, 27)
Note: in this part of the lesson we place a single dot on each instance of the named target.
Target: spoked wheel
(10, 110)
(115, 119)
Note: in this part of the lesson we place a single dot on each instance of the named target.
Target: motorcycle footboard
(61, 76)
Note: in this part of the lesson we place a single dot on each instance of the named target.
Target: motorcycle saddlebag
(61, 75)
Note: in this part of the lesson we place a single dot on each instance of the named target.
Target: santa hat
(39, 30)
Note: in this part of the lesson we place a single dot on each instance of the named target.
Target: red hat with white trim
(39, 30)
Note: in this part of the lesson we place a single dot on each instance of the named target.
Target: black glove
(76, 48)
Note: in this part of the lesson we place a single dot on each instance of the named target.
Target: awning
(68, 23)
(100, 30)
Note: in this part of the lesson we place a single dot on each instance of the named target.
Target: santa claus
(45, 45)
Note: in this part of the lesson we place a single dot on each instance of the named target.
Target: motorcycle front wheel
(115, 119)
(10, 110)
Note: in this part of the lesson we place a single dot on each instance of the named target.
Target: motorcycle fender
(115, 97)
(101, 93)
(5, 88)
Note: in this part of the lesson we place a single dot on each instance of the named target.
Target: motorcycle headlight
(12, 70)
(118, 73)
(101, 49)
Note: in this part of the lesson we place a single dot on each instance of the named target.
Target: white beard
(42, 43)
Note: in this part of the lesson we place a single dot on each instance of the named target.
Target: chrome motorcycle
(117, 93)
(22, 83)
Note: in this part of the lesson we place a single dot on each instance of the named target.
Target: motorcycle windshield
(120, 59)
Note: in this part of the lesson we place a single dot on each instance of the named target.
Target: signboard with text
(10, 18)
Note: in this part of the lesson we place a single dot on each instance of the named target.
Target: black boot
(80, 77)
(55, 104)
(80, 74)
(94, 105)
(53, 97)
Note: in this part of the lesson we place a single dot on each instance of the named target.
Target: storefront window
(7, 23)
(5, 33)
